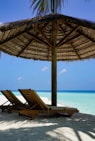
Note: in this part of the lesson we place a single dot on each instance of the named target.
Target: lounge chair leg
(3, 109)
(19, 114)
(9, 109)
(70, 115)
(32, 116)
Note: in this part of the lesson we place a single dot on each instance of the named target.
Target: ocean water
(83, 100)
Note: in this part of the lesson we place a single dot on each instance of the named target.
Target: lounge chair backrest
(11, 97)
(33, 99)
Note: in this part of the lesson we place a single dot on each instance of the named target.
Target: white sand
(80, 127)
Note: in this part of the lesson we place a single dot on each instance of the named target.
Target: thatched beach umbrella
(52, 37)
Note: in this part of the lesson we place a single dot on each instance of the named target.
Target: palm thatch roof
(73, 39)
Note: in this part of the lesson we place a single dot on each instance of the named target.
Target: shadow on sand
(80, 127)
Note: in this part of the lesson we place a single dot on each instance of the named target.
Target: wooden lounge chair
(37, 106)
(15, 103)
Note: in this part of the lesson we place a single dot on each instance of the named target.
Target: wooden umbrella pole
(54, 64)
(54, 77)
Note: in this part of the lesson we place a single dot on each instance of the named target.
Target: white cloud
(44, 68)
(63, 71)
(0, 22)
(19, 78)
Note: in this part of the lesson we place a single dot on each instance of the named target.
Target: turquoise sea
(83, 100)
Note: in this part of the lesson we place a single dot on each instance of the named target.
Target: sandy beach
(80, 127)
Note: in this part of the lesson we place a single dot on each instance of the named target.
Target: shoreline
(3, 99)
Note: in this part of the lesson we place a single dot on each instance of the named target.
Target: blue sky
(22, 73)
